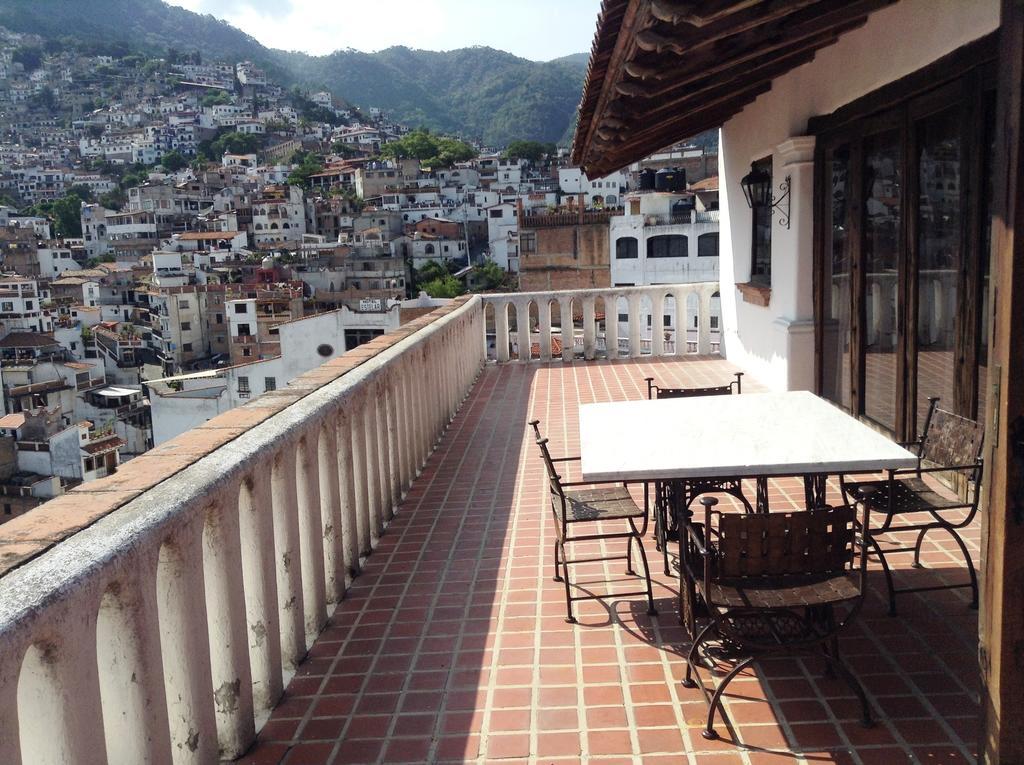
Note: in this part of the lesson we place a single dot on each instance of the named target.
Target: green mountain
(479, 92)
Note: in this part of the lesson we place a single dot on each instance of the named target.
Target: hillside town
(180, 235)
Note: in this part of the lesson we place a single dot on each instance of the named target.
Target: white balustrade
(540, 316)
(165, 631)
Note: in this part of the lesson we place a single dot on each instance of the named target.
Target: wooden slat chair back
(775, 546)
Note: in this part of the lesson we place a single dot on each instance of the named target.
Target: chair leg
(917, 547)
(651, 610)
(716, 699)
(852, 681)
(629, 556)
(691, 657)
(556, 577)
(890, 586)
(568, 593)
(970, 566)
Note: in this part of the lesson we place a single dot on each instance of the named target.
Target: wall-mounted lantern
(757, 188)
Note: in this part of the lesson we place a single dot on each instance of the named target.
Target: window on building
(183, 305)
(495, 213)
(247, 351)
(714, 322)
(28, 305)
(186, 326)
(356, 337)
(219, 319)
(667, 246)
(186, 347)
(243, 386)
(7, 508)
(626, 247)
(761, 243)
(240, 307)
(269, 383)
(7, 306)
(707, 246)
(667, 320)
(528, 242)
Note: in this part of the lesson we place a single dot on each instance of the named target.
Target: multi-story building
(566, 250)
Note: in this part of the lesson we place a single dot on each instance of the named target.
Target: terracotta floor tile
(452, 645)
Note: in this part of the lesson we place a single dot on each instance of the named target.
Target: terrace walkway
(452, 645)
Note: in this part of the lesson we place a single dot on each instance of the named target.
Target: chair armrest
(936, 469)
(566, 459)
(695, 539)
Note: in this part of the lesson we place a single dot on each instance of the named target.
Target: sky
(539, 30)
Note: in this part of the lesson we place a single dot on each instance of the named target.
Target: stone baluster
(658, 323)
(350, 526)
(544, 322)
(357, 433)
(568, 338)
(611, 325)
(291, 610)
(589, 326)
(256, 532)
(501, 330)
(335, 573)
(704, 322)
(226, 624)
(185, 649)
(372, 464)
(523, 328)
(311, 539)
(634, 325)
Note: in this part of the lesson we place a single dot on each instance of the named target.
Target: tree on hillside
(29, 57)
(534, 151)
(432, 150)
(490, 276)
(215, 98)
(66, 212)
(306, 163)
(444, 287)
(173, 161)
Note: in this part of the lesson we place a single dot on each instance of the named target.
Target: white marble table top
(771, 434)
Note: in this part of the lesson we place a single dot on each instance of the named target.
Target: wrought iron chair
(949, 444)
(772, 583)
(679, 494)
(572, 507)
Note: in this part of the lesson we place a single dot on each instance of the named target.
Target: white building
(187, 401)
(502, 235)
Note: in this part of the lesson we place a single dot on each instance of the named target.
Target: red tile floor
(452, 646)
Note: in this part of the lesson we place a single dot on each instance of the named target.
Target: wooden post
(1001, 649)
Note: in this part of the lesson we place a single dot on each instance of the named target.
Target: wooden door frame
(1001, 623)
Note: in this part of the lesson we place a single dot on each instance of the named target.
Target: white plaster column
(634, 325)
(523, 328)
(335, 574)
(185, 648)
(501, 330)
(792, 276)
(140, 734)
(567, 332)
(357, 432)
(704, 322)
(589, 330)
(311, 540)
(347, 486)
(288, 563)
(259, 574)
(373, 488)
(226, 625)
(611, 325)
(544, 321)
(658, 323)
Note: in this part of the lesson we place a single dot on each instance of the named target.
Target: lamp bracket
(783, 199)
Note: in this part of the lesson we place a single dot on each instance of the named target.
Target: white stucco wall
(775, 343)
